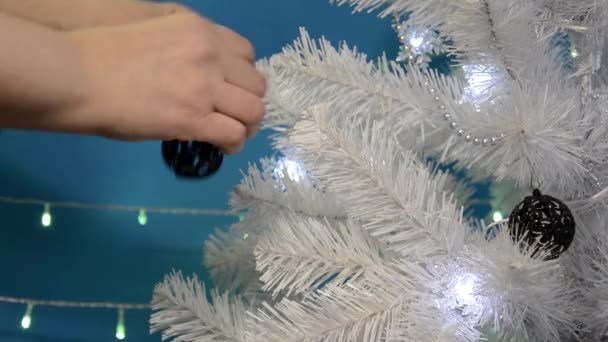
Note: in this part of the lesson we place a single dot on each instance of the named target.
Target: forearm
(75, 14)
(39, 76)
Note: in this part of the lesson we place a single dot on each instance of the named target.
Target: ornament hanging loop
(534, 186)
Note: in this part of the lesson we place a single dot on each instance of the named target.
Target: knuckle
(262, 86)
(249, 49)
(202, 86)
(253, 131)
(237, 135)
(198, 87)
(257, 111)
(173, 7)
(201, 47)
(198, 38)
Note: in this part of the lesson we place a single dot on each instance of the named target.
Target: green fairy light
(142, 218)
(121, 332)
(26, 321)
(46, 218)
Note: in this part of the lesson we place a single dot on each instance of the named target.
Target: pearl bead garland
(483, 141)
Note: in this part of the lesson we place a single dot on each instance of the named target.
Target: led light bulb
(46, 219)
(142, 218)
(26, 321)
(121, 332)
(497, 216)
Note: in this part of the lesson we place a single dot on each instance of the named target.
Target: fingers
(222, 131)
(243, 75)
(240, 105)
(235, 96)
(236, 43)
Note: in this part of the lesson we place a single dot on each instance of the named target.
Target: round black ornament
(192, 159)
(546, 221)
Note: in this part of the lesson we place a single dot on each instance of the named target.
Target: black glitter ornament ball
(546, 220)
(192, 159)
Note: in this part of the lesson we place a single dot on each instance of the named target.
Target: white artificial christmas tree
(354, 237)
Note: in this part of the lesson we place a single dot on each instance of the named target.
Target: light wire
(117, 207)
(69, 304)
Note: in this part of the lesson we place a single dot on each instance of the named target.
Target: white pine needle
(264, 188)
(590, 266)
(309, 72)
(299, 254)
(229, 260)
(366, 310)
(539, 116)
(183, 313)
(599, 295)
(427, 13)
(369, 242)
(395, 196)
(524, 296)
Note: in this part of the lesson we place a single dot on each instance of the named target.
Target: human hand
(174, 77)
(94, 13)
(66, 15)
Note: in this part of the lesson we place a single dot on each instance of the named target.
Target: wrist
(68, 15)
(74, 110)
(39, 76)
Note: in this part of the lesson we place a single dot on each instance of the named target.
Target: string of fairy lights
(27, 319)
(46, 220)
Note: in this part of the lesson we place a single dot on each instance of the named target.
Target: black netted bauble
(546, 220)
(192, 159)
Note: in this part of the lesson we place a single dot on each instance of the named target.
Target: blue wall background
(107, 256)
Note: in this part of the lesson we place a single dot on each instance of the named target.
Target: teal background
(106, 256)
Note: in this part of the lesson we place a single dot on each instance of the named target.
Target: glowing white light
(416, 41)
(291, 168)
(46, 219)
(497, 216)
(480, 80)
(462, 296)
(26, 321)
(420, 39)
(464, 289)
